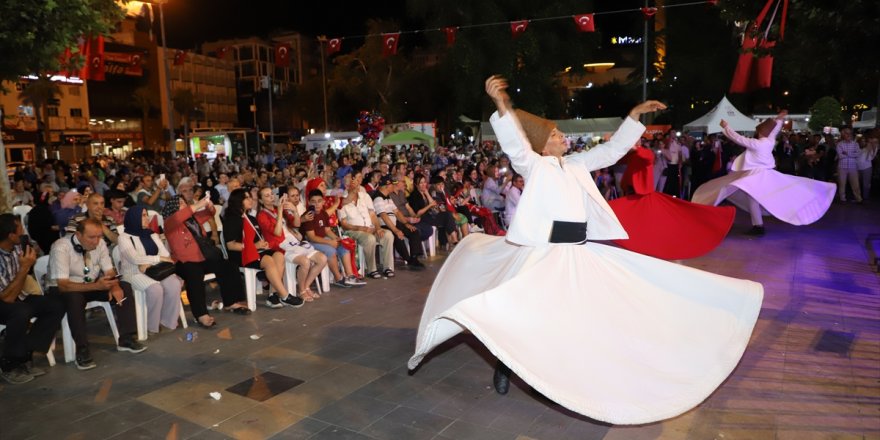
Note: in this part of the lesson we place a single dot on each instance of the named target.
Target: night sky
(191, 22)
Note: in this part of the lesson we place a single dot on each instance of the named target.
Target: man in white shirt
(386, 211)
(358, 220)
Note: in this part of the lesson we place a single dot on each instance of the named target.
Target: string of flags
(583, 22)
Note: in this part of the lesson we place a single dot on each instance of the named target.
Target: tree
(185, 104)
(144, 100)
(532, 62)
(39, 94)
(825, 113)
(829, 48)
(33, 33)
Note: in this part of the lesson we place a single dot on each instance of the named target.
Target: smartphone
(118, 276)
(162, 176)
(24, 241)
(310, 209)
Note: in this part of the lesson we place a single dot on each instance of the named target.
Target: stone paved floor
(812, 370)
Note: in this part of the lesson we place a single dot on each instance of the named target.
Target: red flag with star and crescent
(179, 57)
(389, 44)
(518, 27)
(334, 45)
(585, 23)
(94, 66)
(221, 53)
(282, 54)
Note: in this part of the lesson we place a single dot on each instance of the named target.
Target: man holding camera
(80, 271)
(18, 308)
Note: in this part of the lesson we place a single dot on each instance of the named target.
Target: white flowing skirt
(611, 334)
(792, 199)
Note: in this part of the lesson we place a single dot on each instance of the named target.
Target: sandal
(307, 294)
(203, 325)
(238, 309)
(389, 273)
(375, 275)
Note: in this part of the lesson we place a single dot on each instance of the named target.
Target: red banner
(334, 45)
(450, 35)
(94, 66)
(518, 27)
(128, 64)
(179, 57)
(389, 44)
(585, 23)
(282, 54)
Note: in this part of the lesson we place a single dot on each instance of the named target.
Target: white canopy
(711, 122)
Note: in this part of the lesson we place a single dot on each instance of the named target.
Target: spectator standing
(866, 164)
(848, 153)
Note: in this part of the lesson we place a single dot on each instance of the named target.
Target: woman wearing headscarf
(140, 248)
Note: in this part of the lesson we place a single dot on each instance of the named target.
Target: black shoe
(415, 264)
(757, 231)
(84, 359)
(501, 378)
(292, 301)
(274, 301)
(130, 345)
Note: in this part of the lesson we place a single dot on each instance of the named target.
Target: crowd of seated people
(360, 214)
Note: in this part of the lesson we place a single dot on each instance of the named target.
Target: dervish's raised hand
(496, 87)
(646, 107)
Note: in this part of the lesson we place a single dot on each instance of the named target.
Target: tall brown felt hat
(537, 129)
(763, 129)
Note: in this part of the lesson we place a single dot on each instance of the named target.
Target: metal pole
(321, 40)
(645, 62)
(164, 61)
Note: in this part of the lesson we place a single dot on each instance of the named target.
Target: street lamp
(321, 40)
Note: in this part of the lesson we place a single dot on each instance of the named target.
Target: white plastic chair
(290, 278)
(251, 285)
(140, 302)
(40, 269)
(431, 243)
(22, 211)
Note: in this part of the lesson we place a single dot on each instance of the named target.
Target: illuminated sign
(625, 40)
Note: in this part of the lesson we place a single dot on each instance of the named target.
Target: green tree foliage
(532, 62)
(34, 33)
(830, 47)
(825, 113)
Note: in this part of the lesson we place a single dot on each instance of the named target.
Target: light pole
(321, 40)
(164, 61)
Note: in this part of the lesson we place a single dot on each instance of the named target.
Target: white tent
(711, 122)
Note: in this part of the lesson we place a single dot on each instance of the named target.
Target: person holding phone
(23, 338)
(80, 270)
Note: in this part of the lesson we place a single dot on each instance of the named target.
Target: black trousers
(228, 276)
(22, 338)
(75, 303)
(415, 243)
(443, 221)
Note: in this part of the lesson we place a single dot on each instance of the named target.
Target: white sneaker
(352, 281)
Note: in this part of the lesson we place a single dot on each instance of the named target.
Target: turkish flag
(95, 60)
(221, 53)
(136, 59)
(450, 35)
(518, 27)
(282, 54)
(389, 44)
(179, 57)
(585, 23)
(334, 45)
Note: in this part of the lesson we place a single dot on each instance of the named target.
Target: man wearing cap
(754, 185)
(611, 334)
(386, 210)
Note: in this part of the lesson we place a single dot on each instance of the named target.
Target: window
(248, 70)
(52, 111)
(76, 112)
(246, 53)
(264, 54)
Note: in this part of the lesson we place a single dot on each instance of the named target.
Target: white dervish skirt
(611, 334)
(792, 199)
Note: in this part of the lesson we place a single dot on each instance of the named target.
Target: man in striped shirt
(17, 309)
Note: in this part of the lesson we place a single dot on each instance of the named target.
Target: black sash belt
(568, 232)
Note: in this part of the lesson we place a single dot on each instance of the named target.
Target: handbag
(160, 271)
(209, 250)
